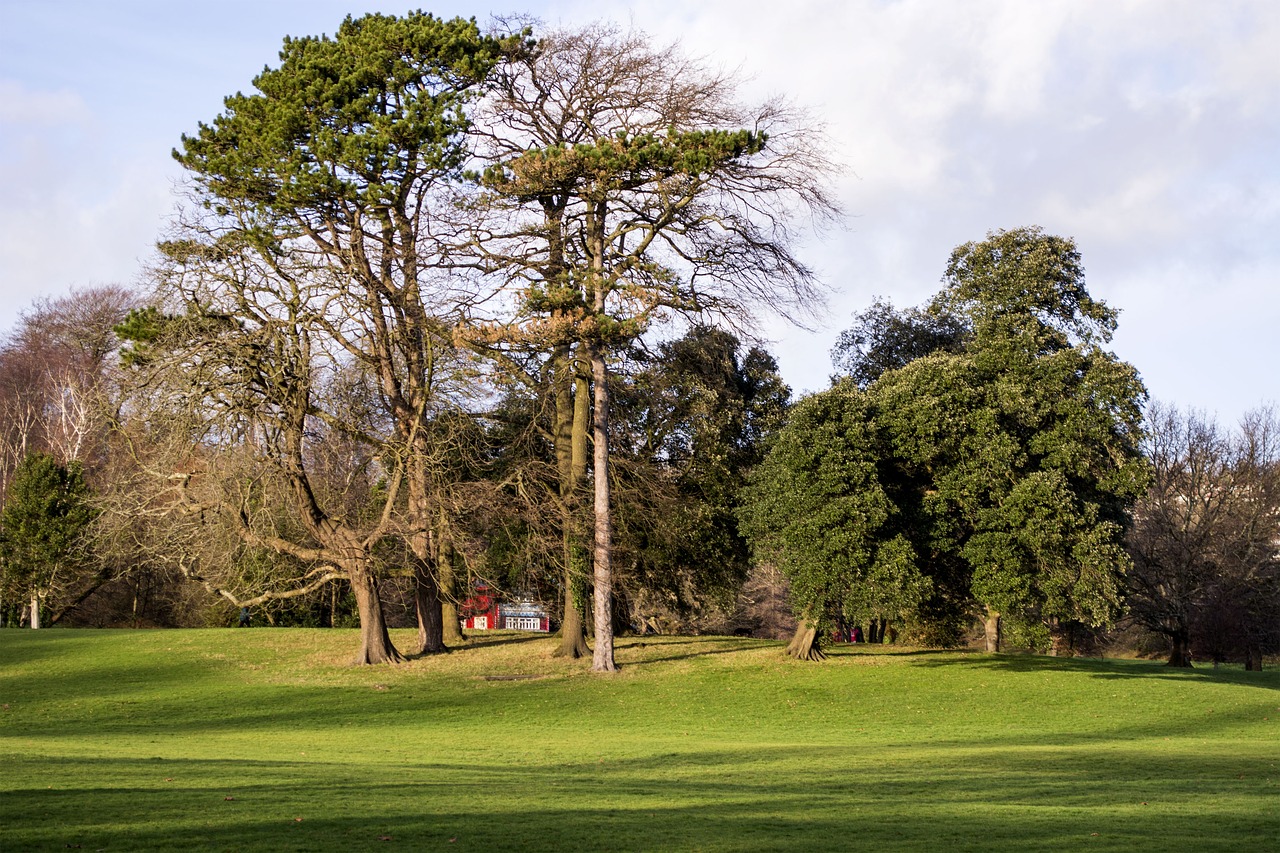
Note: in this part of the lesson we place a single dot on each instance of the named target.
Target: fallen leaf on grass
(228, 799)
(168, 778)
(384, 837)
(297, 820)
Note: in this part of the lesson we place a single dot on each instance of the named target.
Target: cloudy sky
(1148, 131)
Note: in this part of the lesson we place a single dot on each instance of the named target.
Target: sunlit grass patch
(269, 739)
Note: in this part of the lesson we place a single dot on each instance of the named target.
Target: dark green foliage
(689, 427)
(599, 170)
(45, 515)
(1046, 471)
(883, 338)
(1001, 471)
(817, 508)
(348, 120)
(142, 331)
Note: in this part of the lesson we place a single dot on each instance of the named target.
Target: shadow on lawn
(711, 800)
(684, 648)
(476, 641)
(1112, 668)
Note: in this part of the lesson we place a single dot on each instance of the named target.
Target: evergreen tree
(1004, 473)
(44, 519)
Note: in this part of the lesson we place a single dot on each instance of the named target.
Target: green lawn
(265, 739)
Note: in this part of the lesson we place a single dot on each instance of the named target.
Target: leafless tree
(1206, 538)
(57, 393)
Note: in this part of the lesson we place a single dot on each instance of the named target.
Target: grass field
(265, 739)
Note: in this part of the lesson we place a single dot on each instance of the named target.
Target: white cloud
(21, 107)
(1146, 129)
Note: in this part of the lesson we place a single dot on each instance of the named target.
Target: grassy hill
(265, 739)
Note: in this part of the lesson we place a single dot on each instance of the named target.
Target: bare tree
(1206, 537)
(57, 392)
(57, 373)
(1248, 586)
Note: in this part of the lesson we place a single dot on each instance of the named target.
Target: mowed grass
(266, 739)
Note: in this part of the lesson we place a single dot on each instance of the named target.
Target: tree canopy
(1002, 473)
(46, 513)
(309, 263)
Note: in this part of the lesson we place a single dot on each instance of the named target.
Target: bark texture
(602, 654)
(452, 625)
(572, 421)
(426, 599)
(375, 642)
(1180, 650)
(804, 644)
(991, 630)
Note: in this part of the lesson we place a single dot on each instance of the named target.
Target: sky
(1147, 131)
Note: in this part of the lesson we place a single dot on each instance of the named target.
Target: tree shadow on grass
(477, 640)
(1106, 668)
(686, 648)
(867, 650)
(745, 799)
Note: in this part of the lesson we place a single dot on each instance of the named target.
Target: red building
(484, 612)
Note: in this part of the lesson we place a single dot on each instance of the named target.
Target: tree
(1206, 567)
(310, 254)
(627, 186)
(1005, 471)
(689, 426)
(1249, 591)
(883, 338)
(46, 513)
(58, 391)
(816, 507)
(1044, 473)
(57, 375)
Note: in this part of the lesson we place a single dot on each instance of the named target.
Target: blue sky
(1148, 131)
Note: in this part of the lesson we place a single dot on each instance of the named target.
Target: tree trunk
(1061, 641)
(804, 644)
(451, 624)
(1253, 658)
(426, 599)
(572, 416)
(375, 642)
(991, 630)
(1180, 650)
(602, 654)
(35, 610)
(573, 636)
